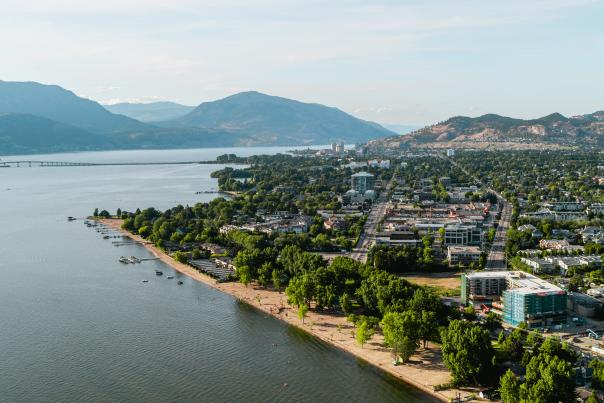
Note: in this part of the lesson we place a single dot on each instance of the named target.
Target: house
(592, 235)
(554, 244)
(539, 265)
(596, 209)
(336, 223)
(527, 227)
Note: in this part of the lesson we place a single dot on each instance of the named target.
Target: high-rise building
(362, 182)
(518, 296)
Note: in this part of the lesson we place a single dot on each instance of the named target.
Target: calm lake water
(77, 325)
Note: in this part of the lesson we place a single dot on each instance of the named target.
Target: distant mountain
(56, 103)
(150, 112)
(28, 134)
(400, 129)
(555, 129)
(259, 119)
(38, 118)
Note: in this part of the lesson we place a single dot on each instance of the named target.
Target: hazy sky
(407, 62)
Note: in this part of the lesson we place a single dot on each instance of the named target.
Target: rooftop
(362, 173)
(521, 282)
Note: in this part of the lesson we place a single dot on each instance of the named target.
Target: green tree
(244, 274)
(302, 310)
(346, 304)
(548, 379)
(404, 348)
(597, 381)
(509, 387)
(364, 333)
(467, 352)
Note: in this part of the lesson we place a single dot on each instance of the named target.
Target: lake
(75, 324)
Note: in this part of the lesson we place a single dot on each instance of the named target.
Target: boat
(158, 272)
(170, 277)
(124, 259)
(145, 281)
(70, 218)
(179, 282)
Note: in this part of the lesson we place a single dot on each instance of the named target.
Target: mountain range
(38, 118)
(150, 112)
(491, 129)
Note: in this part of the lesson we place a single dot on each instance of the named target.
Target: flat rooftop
(521, 282)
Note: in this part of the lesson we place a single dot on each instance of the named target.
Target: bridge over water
(35, 163)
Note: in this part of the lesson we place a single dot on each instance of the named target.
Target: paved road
(496, 258)
(377, 212)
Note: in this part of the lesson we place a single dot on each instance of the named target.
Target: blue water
(77, 325)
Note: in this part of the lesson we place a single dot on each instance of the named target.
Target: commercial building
(463, 255)
(521, 297)
(362, 182)
(450, 152)
(463, 234)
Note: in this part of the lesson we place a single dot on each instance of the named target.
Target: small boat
(145, 281)
(179, 282)
(124, 260)
(158, 272)
(170, 277)
(70, 218)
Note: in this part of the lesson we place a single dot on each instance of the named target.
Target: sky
(398, 62)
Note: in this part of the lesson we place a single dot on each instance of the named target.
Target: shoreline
(424, 370)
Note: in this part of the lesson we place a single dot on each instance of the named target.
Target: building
(596, 209)
(521, 297)
(539, 265)
(463, 255)
(450, 152)
(362, 182)
(482, 287)
(463, 235)
(564, 206)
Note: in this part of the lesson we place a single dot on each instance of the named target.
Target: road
(496, 258)
(378, 210)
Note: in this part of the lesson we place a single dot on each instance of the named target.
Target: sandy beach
(423, 371)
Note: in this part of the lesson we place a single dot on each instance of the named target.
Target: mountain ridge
(281, 120)
(555, 128)
(150, 112)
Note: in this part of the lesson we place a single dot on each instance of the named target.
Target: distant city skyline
(411, 64)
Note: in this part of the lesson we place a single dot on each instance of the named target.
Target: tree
(404, 348)
(364, 333)
(513, 345)
(597, 381)
(548, 379)
(244, 274)
(96, 212)
(402, 332)
(492, 321)
(119, 212)
(428, 327)
(509, 387)
(346, 304)
(180, 257)
(302, 309)
(467, 352)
